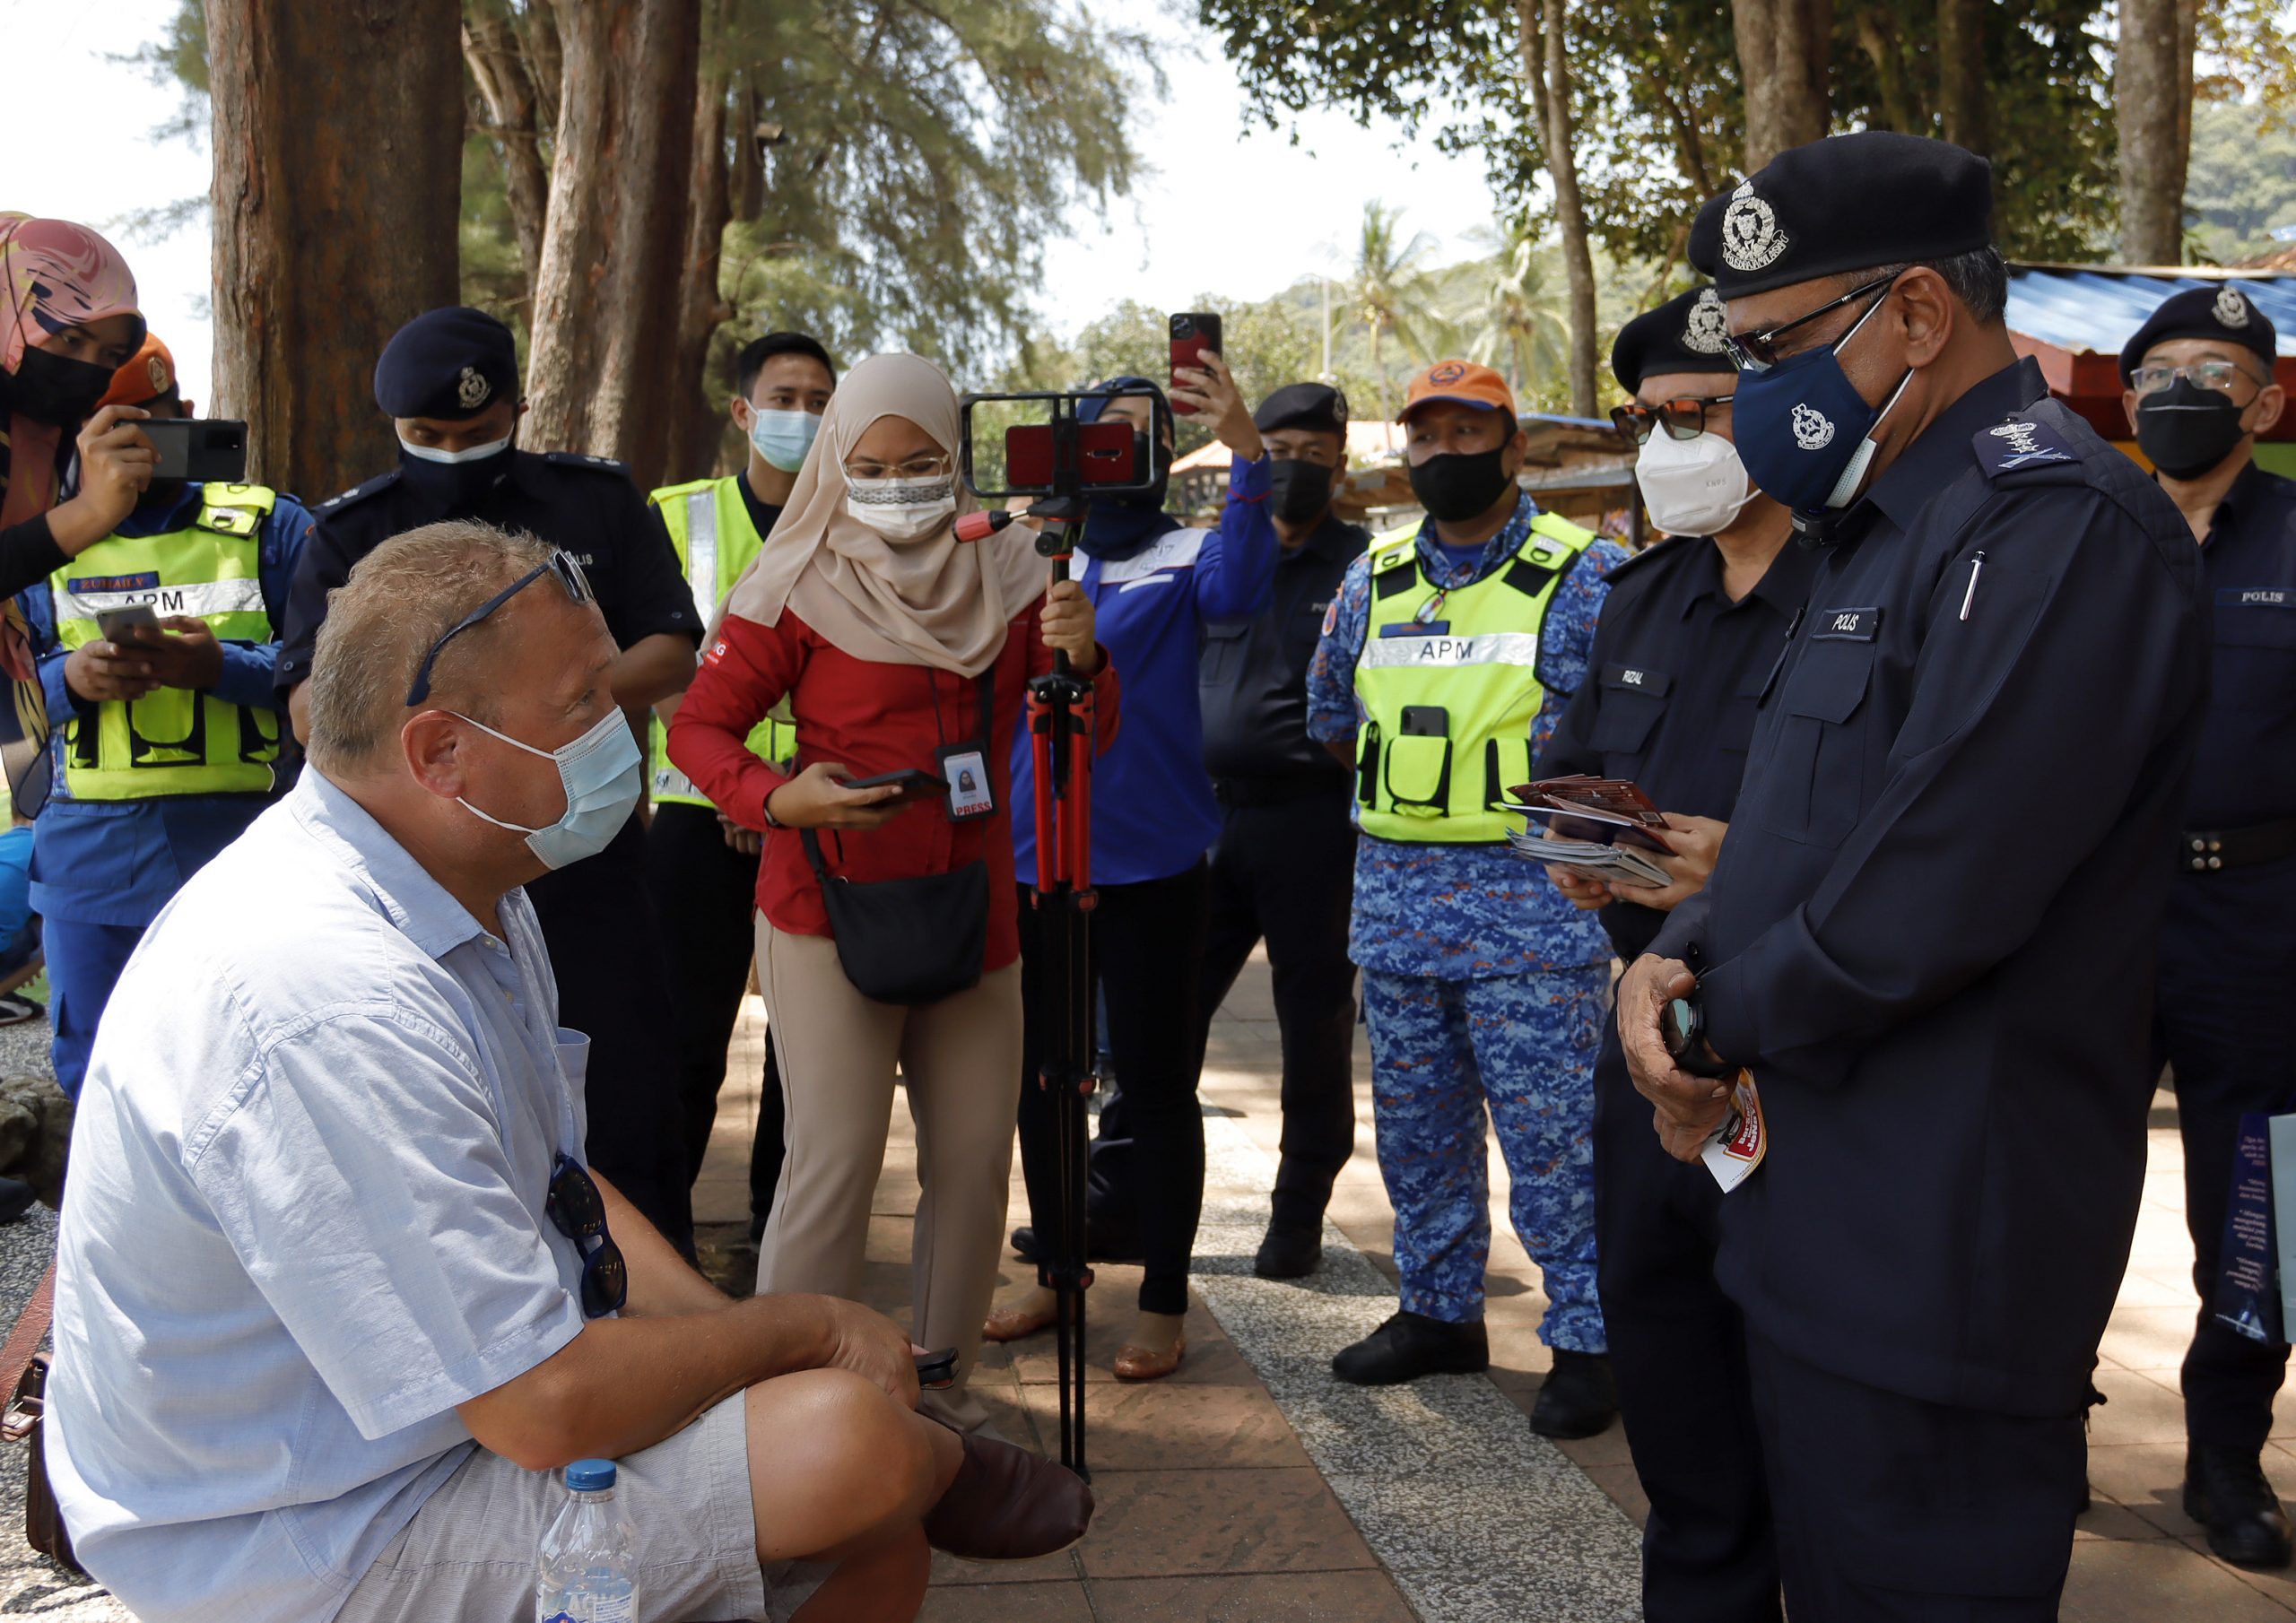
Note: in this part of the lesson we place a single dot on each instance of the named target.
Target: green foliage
(2241, 183)
(925, 151)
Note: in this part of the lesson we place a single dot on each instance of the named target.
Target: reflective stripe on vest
(172, 742)
(1469, 681)
(709, 525)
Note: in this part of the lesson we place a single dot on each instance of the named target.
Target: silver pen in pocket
(1970, 596)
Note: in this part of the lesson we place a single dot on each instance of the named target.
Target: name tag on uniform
(1433, 627)
(1637, 678)
(2256, 598)
(1845, 625)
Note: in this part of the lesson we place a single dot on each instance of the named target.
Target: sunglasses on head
(559, 564)
(1682, 418)
(579, 1213)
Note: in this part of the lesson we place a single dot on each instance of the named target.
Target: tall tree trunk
(338, 134)
(1884, 48)
(2152, 102)
(696, 419)
(604, 309)
(1960, 73)
(746, 190)
(498, 67)
(1545, 63)
(1785, 58)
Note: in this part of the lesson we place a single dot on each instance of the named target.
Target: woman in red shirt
(900, 649)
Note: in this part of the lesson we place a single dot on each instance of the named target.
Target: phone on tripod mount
(1032, 443)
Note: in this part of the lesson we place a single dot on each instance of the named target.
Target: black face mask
(2186, 429)
(455, 486)
(1298, 492)
(1458, 486)
(56, 390)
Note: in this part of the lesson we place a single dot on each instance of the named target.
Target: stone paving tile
(1165, 1424)
(2155, 1581)
(1157, 1524)
(1308, 1597)
(1033, 1602)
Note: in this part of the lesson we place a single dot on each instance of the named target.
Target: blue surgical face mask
(783, 438)
(600, 774)
(1803, 431)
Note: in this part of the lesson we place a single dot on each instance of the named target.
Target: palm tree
(1522, 326)
(1393, 291)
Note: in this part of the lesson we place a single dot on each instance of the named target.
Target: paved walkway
(1252, 1488)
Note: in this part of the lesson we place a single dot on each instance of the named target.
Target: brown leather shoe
(1009, 1505)
(1136, 1363)
(1013, 1323)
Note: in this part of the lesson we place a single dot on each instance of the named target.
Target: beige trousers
(961, 1060)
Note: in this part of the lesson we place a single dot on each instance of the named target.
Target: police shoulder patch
(582, 459)
(358, 493)
(2022, 441)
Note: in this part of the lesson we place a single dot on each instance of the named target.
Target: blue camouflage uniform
(1483, 988)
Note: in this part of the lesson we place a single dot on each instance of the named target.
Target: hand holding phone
(1194, 331)
(910, 784)
(821, 797)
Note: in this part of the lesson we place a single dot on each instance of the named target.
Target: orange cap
(1459, 380)
(149, 373)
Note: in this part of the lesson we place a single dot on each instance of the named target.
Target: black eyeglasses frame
(560, 562)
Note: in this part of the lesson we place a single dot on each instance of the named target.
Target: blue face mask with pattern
(1803, 431)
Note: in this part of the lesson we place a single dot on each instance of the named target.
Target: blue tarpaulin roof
(2077, 308)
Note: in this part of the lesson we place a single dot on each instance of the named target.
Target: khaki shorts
(469, 1553)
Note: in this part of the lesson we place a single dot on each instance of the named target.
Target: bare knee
(835, 1464)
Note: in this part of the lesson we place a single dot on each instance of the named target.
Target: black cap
(1848, 203)
(2224, 313)
(1303, 405)
(1683, 334)
(448, 364)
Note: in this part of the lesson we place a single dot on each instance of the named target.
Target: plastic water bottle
(586, 1569)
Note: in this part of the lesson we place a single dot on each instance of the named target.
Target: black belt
(1280, 791)
(2208, 850)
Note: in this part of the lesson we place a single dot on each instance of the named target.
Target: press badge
(1738, 1145)
(965, 766)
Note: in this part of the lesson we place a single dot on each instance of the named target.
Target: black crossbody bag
(912, 940)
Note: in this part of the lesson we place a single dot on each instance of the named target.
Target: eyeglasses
(916, 467)
(560, 564)
(1758, 351)
(579, 1212)
(2216, 375)
(1682, 418)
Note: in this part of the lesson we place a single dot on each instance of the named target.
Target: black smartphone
(1193, 333)
(204, 449)
(1426, 721)
(914, 786)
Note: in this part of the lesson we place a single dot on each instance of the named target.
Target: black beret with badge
(1315, 406)
(1687, 333)
(447, 363)
(1849, 203)
(2223, 313)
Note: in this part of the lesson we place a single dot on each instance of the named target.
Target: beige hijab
(934, 601)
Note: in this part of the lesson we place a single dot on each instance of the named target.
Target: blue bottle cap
(589, 1476)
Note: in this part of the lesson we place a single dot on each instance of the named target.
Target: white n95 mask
(1693, 487)
(600, 773)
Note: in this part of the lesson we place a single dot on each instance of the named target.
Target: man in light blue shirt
(334, 1295)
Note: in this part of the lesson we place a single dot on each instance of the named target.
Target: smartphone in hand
(1194, 331)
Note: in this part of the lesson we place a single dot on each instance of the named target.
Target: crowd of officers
(1974, 741)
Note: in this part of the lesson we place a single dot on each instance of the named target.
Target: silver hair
(401, 598)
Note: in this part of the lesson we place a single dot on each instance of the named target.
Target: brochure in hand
(1598, 827)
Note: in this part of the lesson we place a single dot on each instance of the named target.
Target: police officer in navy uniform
(1924, 957)
(1283, 869)
(449, 380)
(1689, 631)
(2200, 390)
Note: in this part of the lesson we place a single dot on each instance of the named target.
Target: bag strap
(24, 1340)
(813, 855)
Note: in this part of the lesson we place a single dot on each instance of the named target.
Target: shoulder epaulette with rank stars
(358, 493)
(2019, 445)
(583, 459)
